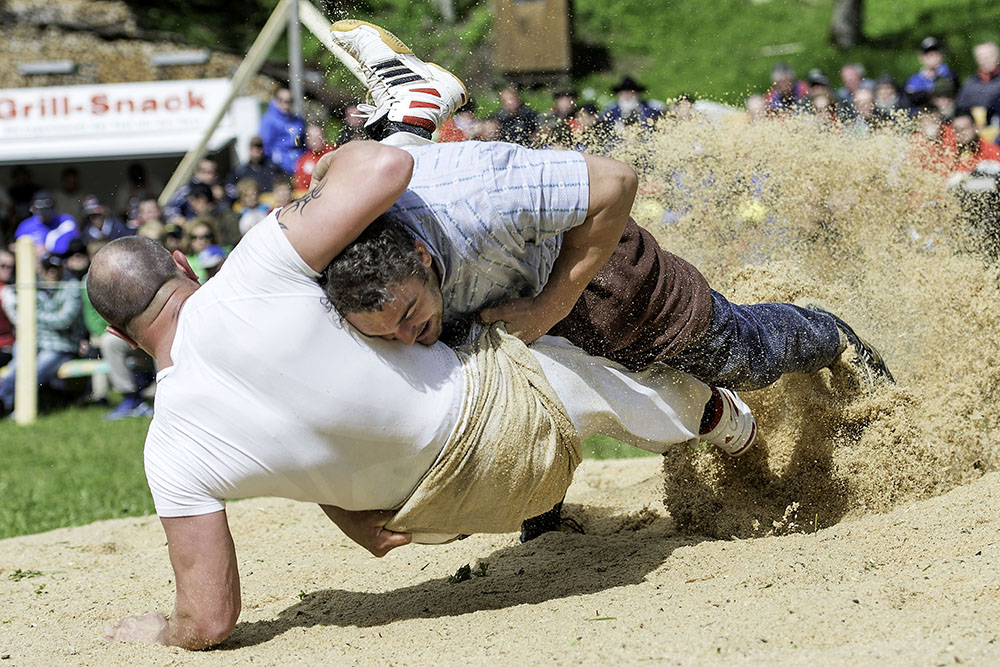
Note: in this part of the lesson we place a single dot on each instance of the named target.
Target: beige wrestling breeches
(512, 456)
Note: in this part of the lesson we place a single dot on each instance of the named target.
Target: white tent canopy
(108, 121)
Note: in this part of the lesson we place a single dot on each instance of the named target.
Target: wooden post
(269, 34)
(319, 26)
(295, 58)
(26, 380)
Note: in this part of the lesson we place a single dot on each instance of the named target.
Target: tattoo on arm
(299, 205)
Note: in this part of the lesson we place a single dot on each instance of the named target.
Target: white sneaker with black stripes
(403, 88)
(733, 429)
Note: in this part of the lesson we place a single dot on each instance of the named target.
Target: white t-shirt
(271, 395)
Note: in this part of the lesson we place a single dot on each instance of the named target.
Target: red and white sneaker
(734, 428)
(404, 88)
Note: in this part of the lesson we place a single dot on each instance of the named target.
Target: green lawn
(72, 468)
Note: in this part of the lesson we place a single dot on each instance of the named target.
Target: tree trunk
(845, 24)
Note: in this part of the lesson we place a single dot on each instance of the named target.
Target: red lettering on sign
(149, 105)
(194, 101)
(172, 103)
(8, 109)
(99, 105)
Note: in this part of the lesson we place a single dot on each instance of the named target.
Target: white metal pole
(26, 380)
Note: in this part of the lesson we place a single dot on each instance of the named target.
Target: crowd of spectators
(204, 219)
(957, 123)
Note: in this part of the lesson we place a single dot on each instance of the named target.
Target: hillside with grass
(720, 50)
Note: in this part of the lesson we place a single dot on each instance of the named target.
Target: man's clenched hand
(367, 528)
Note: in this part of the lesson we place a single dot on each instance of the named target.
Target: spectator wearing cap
(98, 227)
(49, 229)
(518, 124)
(6, 328)
(820, 99)
(59, 325)
(629, 107)
(818, 82)
(316, 147)
(982, 89)
(932, 67)
(462, 125)
(211, 259)
(282, 131)
(258, 167)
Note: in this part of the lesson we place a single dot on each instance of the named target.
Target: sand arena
(875, 511)
(793, 210)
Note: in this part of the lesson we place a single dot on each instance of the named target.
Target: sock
(713, 413)
(385, 128)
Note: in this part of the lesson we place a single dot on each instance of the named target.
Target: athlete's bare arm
(584, 251)
(208, 587)
(351, 187)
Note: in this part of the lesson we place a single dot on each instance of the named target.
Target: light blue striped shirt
(493, 216)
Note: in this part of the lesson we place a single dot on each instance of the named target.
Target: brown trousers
(644, 305)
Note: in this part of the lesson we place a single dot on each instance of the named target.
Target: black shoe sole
(546, 523)
(866, 355)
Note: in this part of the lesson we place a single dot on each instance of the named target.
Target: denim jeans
(749, 347)
(47, 364)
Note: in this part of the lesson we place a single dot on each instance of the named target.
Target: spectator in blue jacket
(49, 229)
(629, 107)
(282, 131)
(932, 67)
(99, 226)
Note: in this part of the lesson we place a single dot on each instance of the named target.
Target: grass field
(72, 467)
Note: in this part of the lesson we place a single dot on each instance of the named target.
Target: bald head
(124, 277)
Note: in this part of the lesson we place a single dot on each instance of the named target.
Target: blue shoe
(144, 409)
(124, 409)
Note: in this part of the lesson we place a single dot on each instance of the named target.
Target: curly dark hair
(359, 278)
